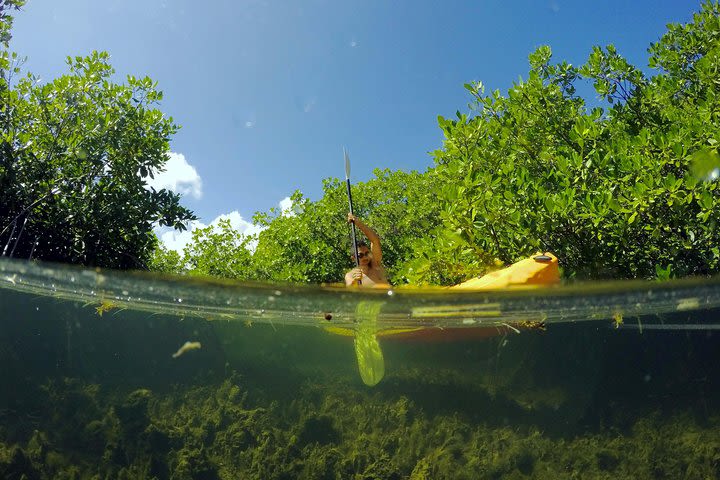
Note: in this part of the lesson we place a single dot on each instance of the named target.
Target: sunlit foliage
(612, 190)
(620, 186)
(311, 242)
(75, 154)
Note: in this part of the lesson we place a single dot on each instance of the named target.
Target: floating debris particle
(105, 306)
(187, 346)
(510, 327)
(618, 319)
(533, 325)
(688, 304)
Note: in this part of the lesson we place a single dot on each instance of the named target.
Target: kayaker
(371, 271)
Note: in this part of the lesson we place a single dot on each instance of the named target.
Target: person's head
(364, 254)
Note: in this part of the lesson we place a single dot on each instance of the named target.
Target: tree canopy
(616, 192)
(75, 156)
(621, 186)
(310, 242)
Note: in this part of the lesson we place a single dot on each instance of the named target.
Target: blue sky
(268, 92)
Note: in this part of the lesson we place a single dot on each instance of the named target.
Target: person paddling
(370, 271)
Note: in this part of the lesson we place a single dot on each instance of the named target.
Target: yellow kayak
(540, 270)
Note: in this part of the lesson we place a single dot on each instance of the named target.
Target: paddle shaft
(354, 237)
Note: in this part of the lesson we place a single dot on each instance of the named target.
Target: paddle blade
(371, 362)
(347, 163)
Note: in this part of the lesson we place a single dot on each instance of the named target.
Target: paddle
(354, 238)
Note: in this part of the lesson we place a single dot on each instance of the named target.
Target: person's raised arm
(373, 237)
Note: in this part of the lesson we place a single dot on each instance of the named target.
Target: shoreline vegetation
(623, 185)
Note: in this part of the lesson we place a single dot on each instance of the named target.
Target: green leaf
(705, 165)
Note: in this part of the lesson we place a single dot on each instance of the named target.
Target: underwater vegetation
(85, 396)
(83, 431)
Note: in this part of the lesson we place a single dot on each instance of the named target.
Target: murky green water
(590, 381)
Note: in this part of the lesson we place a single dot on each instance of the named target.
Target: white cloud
(249, 124)
(178, 176)
(286, 207)
(174, 240)
(238, 223)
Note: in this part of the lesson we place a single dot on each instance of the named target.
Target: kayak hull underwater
(435, 335)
